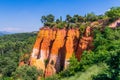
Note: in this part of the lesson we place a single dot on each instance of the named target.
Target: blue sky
(24, 15)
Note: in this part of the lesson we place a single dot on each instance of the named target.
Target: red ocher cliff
(54, 47)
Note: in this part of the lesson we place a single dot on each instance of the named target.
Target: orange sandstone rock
(37, 45)
(85, 42)
(58, 43)
(54, 47)
(44, 51)
(21, 63)
(71, 37)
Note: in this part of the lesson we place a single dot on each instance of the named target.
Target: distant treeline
(12, 47)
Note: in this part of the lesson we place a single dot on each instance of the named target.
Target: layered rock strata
(54, 48)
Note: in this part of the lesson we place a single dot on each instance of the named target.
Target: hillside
(4, 33)
(11, 48)
(1, 34)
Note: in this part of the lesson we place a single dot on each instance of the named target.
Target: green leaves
(113, 13)
(27, 72)
(11, 49)
(111, 53)
(91, 17)
(7, 66)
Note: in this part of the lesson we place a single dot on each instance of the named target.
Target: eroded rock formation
(85, 43)
(54, 48)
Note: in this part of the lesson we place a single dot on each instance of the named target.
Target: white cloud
(11, 29)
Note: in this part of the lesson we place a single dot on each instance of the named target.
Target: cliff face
(54, 47)
(85, 43)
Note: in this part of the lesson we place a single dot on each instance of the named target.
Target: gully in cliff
(54, 47)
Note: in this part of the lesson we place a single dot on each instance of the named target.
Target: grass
(87, 75)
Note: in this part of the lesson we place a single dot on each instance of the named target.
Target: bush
(27, 73)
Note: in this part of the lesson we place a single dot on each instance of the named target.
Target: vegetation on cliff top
(76, 21)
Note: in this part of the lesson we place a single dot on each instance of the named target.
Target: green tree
(75, 18)
(113, 13)
(91, 17)
(111, 45)
(68, 18)
(11, 48)
(43, 19)
(27, 73)
(71, 70)
(7, 66)
(48, 20)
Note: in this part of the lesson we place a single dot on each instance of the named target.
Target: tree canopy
(113, 13)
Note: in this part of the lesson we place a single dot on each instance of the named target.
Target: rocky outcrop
(71, 44)
(115, 24)
(54, 48)
(55, 55)
(85, 43)
(41, 48)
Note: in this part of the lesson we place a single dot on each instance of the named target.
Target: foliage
(87, 75)
(111, 45)
(78, 20)
(82, 28)
(61, 25)
(47, 20)
(54, 77)
(7, 66)
(7, 78)
(27, 72)
(113, 13)
(91, 17)
(12, 47)
(71, 70)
